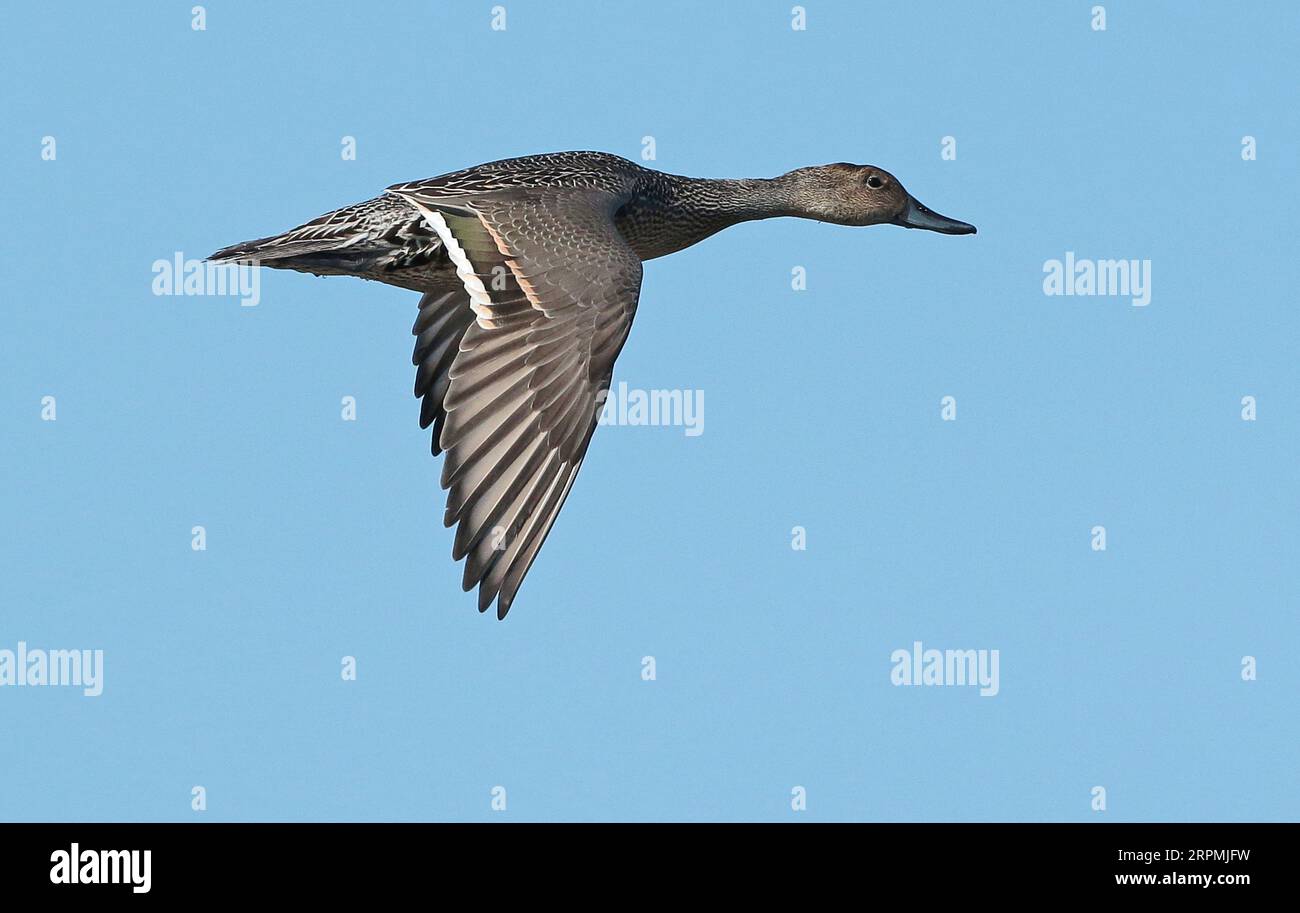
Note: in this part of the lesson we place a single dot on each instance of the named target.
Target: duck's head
(863, 195)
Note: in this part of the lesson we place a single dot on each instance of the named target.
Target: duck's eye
(874, 182)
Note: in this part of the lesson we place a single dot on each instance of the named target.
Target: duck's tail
(384, 239)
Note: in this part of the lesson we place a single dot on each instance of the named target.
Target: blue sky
(1119, 669)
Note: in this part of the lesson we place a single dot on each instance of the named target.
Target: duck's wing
(552, 291)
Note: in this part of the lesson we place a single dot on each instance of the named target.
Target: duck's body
(530, 269)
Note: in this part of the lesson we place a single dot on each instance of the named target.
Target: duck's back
(648, 217)
(594, 170)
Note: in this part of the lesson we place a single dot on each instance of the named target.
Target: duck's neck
(679, 211)
(734, 201)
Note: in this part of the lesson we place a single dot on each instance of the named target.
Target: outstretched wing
(553, 289)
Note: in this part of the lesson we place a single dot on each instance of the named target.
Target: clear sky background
(1120, 669)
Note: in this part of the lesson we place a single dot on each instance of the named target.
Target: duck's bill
(918, 215)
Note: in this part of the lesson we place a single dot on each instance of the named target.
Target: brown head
(861, 195)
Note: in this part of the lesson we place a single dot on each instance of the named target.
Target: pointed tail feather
(384, 239)
(267, 250)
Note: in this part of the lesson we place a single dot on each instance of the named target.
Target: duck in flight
(529, 271)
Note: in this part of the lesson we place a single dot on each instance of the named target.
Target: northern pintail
(529, 270)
